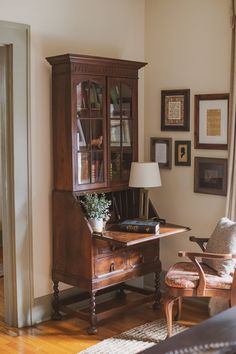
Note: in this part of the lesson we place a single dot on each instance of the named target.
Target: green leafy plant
(96, 207)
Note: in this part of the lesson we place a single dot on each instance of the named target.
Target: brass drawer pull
(112, 267)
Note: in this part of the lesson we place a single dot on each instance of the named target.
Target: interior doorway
(16, 174)
(3, 101)
(2, 298)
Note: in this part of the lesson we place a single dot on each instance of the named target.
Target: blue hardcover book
(142, 226)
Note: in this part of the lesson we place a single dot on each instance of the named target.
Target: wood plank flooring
(69, 336)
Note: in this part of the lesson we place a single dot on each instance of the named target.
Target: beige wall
(187, 45)
(105, 28)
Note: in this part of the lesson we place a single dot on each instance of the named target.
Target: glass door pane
(96, 100)
(126, 132)
(82, 95)
(115, 166)
(83, 134)
(126, 165)
(90, 132)
(115, 101)
(97, 134)
(83, 167)
(126, 101)
(121, 125)
(97, 167)
(115, 132)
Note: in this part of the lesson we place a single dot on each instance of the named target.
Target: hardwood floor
(69, 336)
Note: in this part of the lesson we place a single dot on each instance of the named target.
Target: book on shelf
(142, 226)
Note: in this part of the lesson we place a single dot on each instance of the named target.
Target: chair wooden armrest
(201, 241)
(193, 279)
(191, 255)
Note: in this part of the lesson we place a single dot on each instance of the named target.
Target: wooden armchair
(188, 279)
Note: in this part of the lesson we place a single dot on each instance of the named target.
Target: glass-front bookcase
(95, 122)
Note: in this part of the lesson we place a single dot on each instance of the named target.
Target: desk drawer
(110, 265)
(102, 248)
(143, 255)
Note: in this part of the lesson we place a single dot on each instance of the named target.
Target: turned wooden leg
(55, 303)
(93, 318)
(168, 307)
(179, 308)
(157, 292)
(120, 294)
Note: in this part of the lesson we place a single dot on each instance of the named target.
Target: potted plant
(97, 210)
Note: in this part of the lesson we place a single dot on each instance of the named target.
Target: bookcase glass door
(120, 123)
(90, 132)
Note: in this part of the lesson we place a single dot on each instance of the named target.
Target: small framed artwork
(183, 153)
(210, 175)
(211, 121)
(175, 110)
(161, 151)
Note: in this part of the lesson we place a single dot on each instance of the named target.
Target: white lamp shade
(144, 175)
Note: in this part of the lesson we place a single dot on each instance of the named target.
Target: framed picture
(210, 175)
(161, 151)
(211, 121)
(175, 110)
(183, 153)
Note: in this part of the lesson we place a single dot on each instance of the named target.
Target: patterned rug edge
(134, 340)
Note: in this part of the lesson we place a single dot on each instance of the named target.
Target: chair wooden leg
(232, 301)
(168, 307)
(179, 308)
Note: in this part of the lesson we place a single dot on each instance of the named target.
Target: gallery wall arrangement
(210, 132)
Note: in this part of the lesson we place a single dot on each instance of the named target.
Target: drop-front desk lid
(131, 238)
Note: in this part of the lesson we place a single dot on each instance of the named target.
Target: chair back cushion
(222, 240)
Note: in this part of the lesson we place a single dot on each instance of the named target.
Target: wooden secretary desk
(95, 139)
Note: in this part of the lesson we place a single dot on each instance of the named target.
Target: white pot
(96, 224)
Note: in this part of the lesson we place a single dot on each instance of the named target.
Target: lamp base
(143, 203)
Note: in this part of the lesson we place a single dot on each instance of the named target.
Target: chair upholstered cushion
(222, 240)
(185, 275)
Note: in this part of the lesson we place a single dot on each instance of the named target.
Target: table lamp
(144, 175)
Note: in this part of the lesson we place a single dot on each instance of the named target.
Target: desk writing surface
(133, 238)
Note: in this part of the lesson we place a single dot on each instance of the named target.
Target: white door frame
(16, 172)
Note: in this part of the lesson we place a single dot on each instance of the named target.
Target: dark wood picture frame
(161, 151)
(175, 110)
(210, 175)
(183, 153)
(211, 121)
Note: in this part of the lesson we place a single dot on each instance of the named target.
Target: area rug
(135, 339)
